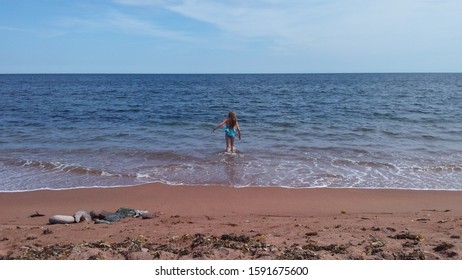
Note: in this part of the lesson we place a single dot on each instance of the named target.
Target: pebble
(61, 219)
(147, 215)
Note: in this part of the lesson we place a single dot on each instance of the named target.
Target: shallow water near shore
(399, 131)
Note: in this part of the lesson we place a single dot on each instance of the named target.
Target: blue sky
(230, 36)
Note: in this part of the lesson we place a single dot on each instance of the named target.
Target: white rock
(61, 219)
(140, 213)
(81, 216)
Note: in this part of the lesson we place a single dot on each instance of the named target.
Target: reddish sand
(215, 222)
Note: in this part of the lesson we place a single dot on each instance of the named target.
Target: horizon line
(220, 73)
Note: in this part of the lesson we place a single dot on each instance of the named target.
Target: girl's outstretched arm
(219, 125)
(238, 131)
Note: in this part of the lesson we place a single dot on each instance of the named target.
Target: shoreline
(227, 186)
(218, 222)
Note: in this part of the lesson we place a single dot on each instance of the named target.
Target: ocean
(394, 131)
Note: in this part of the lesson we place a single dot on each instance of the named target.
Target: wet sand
(216, 222)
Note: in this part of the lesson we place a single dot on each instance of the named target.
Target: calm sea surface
(398, 131)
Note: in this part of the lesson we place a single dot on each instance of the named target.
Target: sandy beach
(217, 222)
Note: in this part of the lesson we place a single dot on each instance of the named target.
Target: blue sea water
(397, 131)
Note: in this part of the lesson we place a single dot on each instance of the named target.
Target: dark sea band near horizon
(396, 131)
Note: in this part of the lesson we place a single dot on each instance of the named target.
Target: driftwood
(37, 214)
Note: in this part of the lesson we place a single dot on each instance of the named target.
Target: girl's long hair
(231, 120)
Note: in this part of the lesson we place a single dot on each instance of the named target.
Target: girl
(231, 128)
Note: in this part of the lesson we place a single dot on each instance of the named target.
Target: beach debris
(444, 246)
(50, 252)
(414, 255)
(231, 224)
(408, 235)
(375, 246)
(333, 248)
(47, 231)
(61, 219)
(454, 236)
(377, 243)
(36, 214)
(296, 252)
(225, 246)
(259, 237)
(236, 238)
(81, 216)
(410, 244)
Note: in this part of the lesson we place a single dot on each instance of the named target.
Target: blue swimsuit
(230, 132)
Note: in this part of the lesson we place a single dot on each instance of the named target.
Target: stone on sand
(110, 217)
(61, 219)
(98, 221)
(126, 212)
(95, 214)
(81, 216)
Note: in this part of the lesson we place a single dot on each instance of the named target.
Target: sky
(230, 36)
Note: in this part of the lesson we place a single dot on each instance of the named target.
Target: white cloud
(322, 24)
(15, 29)
(271, 20)
(143, 27)
(117, 21)
(46, 33)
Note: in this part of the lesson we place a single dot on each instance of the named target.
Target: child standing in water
(231, 128)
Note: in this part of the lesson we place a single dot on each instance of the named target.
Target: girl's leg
(228, 143)
(232, 144)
